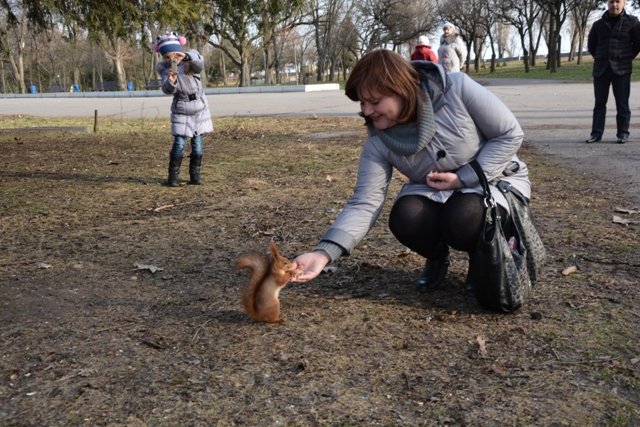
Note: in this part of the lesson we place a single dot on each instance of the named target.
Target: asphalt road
(556, 117)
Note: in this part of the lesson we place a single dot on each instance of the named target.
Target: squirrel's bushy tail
(258, 264)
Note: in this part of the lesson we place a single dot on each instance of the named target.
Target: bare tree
(580, 17)
(15, 24)
(403, 21)
(369, 30)
(393, 22)
(235, 32)
(503, 38)
(557, 13)
(347, 48)
(522, 15)
(489, 21)
(240, 27)
(325, 19)
(276, 17)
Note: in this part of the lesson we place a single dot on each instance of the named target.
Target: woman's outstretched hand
(309, 265)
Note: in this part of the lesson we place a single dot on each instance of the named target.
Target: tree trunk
(245, 70)
(267, 66)
(580, 47)
(223, 69)
(120, 73)
(525, 52)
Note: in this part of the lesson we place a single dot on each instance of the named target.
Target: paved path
(285, 103)
(556, 117)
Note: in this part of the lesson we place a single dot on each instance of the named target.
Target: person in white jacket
(452, 52)
(429, 125)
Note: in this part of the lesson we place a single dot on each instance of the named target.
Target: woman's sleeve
(462, 50)
(497, 124)
(364, 206)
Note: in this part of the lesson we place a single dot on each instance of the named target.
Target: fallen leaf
(499, 370)
(569, 270)
(163, 207)
(87, 372)
(627, 210)
(619, 220)
(482, 349)
(151, 268)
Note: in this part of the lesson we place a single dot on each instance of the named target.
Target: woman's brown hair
(386, 73)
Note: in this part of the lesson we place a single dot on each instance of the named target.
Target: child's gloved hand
(178, 56)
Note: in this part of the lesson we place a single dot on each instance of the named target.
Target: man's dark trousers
(621, 86)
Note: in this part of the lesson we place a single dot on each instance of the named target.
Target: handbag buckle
(489, 203)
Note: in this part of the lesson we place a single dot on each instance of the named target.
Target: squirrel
(268, 276)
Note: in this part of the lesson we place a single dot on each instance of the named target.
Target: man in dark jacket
(614, 40)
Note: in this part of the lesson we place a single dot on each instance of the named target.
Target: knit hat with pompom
(170, 42)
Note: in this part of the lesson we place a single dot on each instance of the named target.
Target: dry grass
(88, 339)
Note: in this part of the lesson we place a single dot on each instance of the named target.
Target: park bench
(58, 87)
(154, 84)
(109, 86)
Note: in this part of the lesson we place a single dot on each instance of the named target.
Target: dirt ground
(120, 305)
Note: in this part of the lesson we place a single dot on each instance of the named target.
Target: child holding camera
(190, 115)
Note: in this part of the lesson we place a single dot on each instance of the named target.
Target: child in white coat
(190, 115)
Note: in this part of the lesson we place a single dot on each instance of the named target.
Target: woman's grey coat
(470, 123)
(190, 113)
(452, 52)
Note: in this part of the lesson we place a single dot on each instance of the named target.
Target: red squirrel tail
(258, 264)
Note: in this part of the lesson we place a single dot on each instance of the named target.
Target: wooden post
(95, 121)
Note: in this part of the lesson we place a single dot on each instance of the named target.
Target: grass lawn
(567, 70)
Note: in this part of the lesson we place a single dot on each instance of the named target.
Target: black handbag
(503, 272)
(523, 221)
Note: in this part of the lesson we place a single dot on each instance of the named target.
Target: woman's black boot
(469, 289)
(194, 170)
(174, 171)
(433, 274)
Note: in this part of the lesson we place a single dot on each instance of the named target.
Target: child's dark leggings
(429, 228)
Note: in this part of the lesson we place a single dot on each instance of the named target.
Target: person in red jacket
(423, 51)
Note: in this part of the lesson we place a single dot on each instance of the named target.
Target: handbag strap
(506, 187)
(488, 198)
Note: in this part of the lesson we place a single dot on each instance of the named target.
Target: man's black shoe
(433, 274)
(623, 140)
(593, 139)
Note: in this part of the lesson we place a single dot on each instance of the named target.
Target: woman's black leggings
(429, 228)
